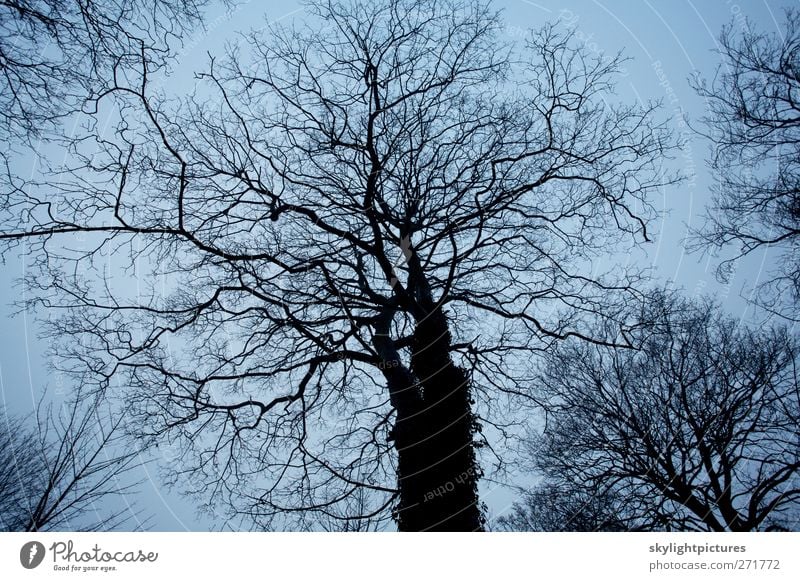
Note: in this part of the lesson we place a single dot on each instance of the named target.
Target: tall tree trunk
(444, 448)
(433, 431)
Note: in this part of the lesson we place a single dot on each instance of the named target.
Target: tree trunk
(438, 474)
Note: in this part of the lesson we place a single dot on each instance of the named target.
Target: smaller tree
(696, 430)
(67, 471)
(20, 470)
(753, 123)
(551, 507)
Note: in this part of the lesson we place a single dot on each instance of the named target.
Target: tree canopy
(696, 430)
(753, 123)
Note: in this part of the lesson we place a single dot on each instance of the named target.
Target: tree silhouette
(345, 246)
(63, 471)
(697, 430)
(549, 507)
(753, 122)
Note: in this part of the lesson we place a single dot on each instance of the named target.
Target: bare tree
(753, 122)
(20, 469)
(347, 244)
(68, 470)
(549, 507)
(697, 430)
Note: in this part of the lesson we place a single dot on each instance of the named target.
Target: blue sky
(666, 40)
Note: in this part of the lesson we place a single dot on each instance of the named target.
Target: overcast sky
(667, 41)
